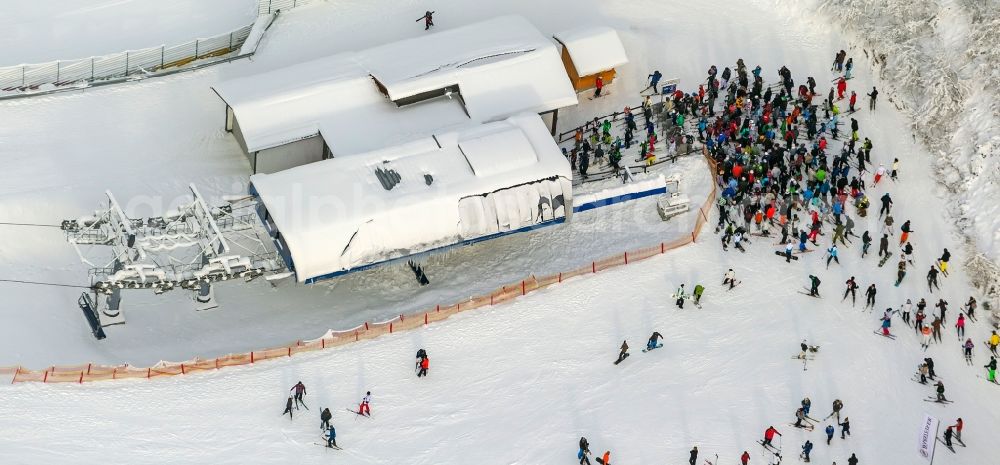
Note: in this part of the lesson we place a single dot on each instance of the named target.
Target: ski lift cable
(17, 281)
(2, 223)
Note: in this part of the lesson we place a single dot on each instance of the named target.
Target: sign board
(928, 438)
(670, 86)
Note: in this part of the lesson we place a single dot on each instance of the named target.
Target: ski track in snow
(515, 383)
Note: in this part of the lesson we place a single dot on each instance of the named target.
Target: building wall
(582, 83)
(287, 156)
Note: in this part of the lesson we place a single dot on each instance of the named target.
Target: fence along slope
(91, 372)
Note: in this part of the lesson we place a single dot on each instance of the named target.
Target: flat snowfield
(39, 31)
(517, 383)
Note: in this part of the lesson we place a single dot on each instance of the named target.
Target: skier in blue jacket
(806, 449)
(331, 437)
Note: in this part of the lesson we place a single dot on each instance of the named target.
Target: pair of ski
(806, 292)
(935, 400)
(737, 283)
(770, 448)
(364, 415)
(806, 426)
(326, 446)
(890, 336)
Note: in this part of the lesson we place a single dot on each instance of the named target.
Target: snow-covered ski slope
(39, 31)
(512, 384)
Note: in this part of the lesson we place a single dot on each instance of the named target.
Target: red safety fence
(91, 372)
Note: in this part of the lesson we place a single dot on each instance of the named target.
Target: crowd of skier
(788, 173)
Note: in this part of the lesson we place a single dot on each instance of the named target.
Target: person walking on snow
(883, 245)
(729, 278)
(680, 296)
(288, 408)
(698, 291)
(829, 433)
(845, 428)
(694, 456)
(886, 205)
(745, 458)
(900, 270)
(866, 242)
(364, 408)
(428, 19)
(425, 363)
(300, 390)
(806, 449)
(853, 460)
(325, 418)
(584, 451)
(873, 95)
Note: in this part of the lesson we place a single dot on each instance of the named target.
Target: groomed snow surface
(511, 384)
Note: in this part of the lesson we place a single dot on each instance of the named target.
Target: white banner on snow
(928, 437)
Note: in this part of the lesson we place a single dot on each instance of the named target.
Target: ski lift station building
(455, 187)
(356, 102)
(366, 158)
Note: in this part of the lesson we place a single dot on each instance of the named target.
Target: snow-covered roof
(347, 212)
(593, 49)
(502, 66)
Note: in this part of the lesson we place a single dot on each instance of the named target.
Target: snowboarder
(652, 342)
(606, 459)
(623, 353)
(680, 296)
(654, 79)
(991, 370)
(288, 408)
(845, 428)
(814, 286)
(829, 433)
(769, 435)
(364, 408)
(325, 418)
(873, 95)
(900, 270)
(428, 18)
(883, 245)
(806, 449)
(331, 437)
(729, 278)
(300, 390)
(870, 296)
(698, 291)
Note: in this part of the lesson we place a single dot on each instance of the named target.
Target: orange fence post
(88, 368)
(81, 377)
(147, 372)
(593, 267)
(46, 377)
(366, 326)
(289, 351)
(522, 287)
(182, 369)
(626, 257)
(425, 317)
(251, 356)
(390, 327)
(560, 276)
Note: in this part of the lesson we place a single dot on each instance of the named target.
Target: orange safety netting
(91, 372)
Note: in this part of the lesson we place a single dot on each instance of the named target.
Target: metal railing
(120, 65)
(265, 7)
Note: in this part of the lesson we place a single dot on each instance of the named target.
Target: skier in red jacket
(841, 88)
(769, 435)
(599, 83)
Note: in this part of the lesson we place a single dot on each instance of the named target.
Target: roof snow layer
(347, 212)
(502, 66)
(594, 49)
